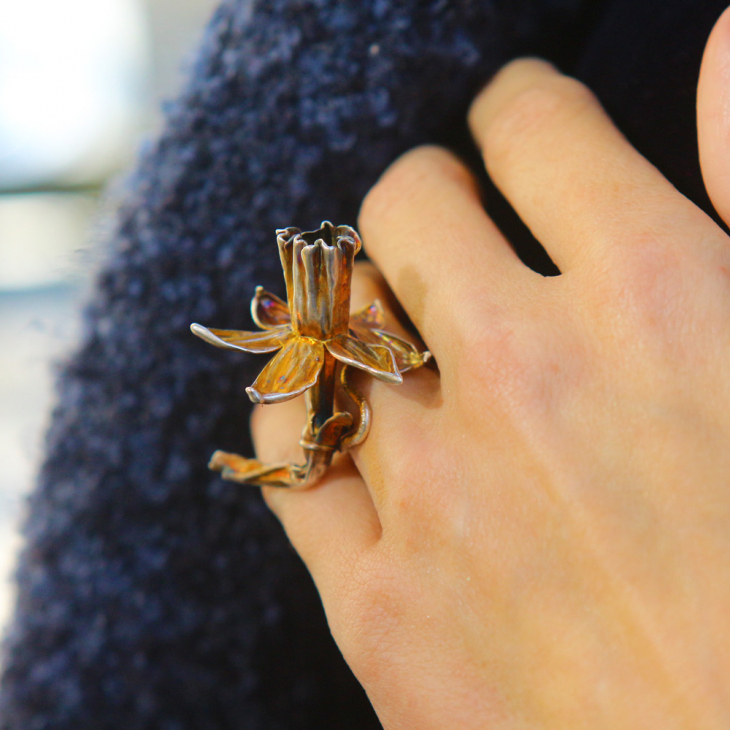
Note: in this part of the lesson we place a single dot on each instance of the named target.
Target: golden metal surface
(314, 336)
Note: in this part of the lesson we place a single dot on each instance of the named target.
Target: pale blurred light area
(72, 88)
(80, 87)
(43, 237)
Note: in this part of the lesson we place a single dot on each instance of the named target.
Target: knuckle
(512, 369)
(494, 356)
(544, 105)
(654, 292)
(645, 279)
(408, 181)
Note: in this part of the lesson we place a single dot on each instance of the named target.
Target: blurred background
(81, 83)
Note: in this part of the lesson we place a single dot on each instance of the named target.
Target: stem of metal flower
(318, 270)
(324, 429)
(321, 397)
(321, 438)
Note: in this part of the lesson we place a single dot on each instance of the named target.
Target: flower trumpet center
(318, 270)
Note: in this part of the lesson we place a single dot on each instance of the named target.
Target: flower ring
(311, 335)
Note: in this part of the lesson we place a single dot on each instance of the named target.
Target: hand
(539, 535)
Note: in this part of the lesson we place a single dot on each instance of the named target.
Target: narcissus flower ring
(310, 335)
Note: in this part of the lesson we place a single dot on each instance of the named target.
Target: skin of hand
(537, 535)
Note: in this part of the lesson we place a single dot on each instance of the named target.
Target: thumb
(713, 116)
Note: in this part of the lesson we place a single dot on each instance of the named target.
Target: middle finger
(424, 227)
(572, 177)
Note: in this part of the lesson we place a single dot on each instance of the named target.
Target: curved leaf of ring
(310, 335)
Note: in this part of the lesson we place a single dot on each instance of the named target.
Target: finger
(335, 519)
(329, 524)
(568, 172)
(713, 116)
(424, 226)
(368, 284)
(402, 415)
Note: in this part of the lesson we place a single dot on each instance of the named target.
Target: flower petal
(284, 240)
(268, 311)
(374, 359)
(407, 357)
(371, 316)
(266, 341)
(322, 263)
(290, 372)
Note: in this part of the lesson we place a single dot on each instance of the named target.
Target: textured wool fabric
(153, 594)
